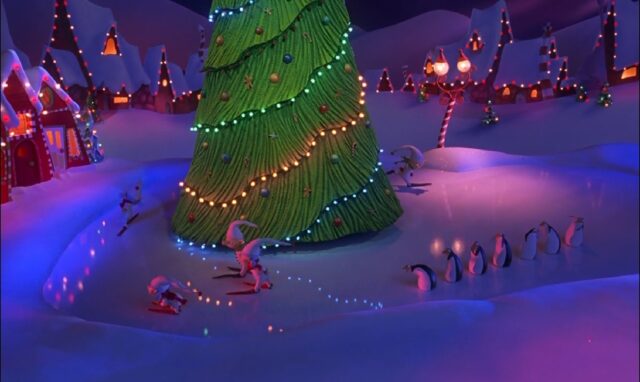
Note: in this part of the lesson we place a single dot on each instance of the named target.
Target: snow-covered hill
(407, 43)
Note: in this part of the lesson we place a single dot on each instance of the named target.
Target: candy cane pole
(445, 121)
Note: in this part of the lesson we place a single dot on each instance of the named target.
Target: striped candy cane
(445, 121)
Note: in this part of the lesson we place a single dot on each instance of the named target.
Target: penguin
(427, 279)
(478, 260)
(454, 266)
(575, 233)
(552, 246)
(502, 254)
(530, 247)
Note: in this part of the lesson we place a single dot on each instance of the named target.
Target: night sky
(530, 15)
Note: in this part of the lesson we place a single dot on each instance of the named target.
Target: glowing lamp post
(454, 89)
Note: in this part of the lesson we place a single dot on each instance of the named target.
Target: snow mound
(623, 157)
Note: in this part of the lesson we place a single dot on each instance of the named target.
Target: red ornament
(337, 222)
(191, 218)
(259, 31)
(324, 108)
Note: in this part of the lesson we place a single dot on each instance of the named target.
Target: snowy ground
(548, 319)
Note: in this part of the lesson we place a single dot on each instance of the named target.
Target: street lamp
(452, 90)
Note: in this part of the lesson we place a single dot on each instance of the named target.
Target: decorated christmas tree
(582, 94)
(284, 139)
(605, 97)
(384, 85)
(491, 117)
(423, 95)
(409, 85)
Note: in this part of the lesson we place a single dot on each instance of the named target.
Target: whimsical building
(27, 149)
(59, 121)
(531, 71)
(8, 120)
(619, 40)
(86, 54)
(169, 89)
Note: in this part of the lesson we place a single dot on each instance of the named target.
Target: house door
(168, 107)
(57, 148)
(26, 164)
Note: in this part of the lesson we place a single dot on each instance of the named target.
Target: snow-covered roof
(628, 30)
(38, 75)
(11, 64)
(555, 65)
(487, 23)
(520, 63)
(9, 117)
(178, 82)
(152, 64)
(6, 41)
(131, 57)
(193, 72)
(91, 26)
(68, 67)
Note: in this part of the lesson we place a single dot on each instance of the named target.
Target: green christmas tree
(582, 96)
(605, 98)
(490, 116)
(284, 138)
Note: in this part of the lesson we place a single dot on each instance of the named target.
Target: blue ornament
(264, 192)
(226, 158)
(335, 158)
(326, 20)
(288, 58)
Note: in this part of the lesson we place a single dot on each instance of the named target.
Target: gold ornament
(348, 68)
(274, 78)
(225, 96)
(219, 40)
(205, 145)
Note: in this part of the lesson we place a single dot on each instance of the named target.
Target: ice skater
(552, 242)
(234, 238)
(427, 278)
(409, 158)
(574, 236)
(453, 273)
(478, 260)
(530, 246)
(248, 257)
(165, 292)
(127, 203)
(502, 253)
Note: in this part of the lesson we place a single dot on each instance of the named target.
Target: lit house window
(120, 99)
(629, 73)
(534, 93)
(110, 47)
(475, 43)
(506, 92)
(24, 125)
(74, 147)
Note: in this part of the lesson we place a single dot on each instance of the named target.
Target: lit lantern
(164, 83)
(464, 65)
(441, 67)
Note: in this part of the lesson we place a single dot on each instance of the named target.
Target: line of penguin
(502, 256)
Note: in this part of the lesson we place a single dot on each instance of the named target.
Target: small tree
(490, 118)
(605, 97)
(582, 94)
(409, 85)
(384, 85)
